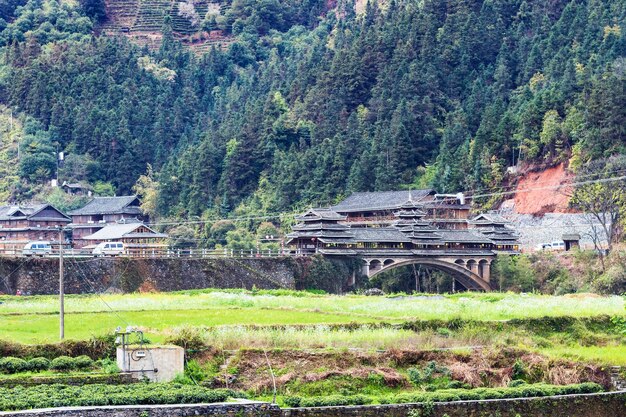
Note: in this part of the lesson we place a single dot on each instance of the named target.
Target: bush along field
(323, 349)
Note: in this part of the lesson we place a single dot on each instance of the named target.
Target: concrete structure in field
(157, 363)
(392, 229)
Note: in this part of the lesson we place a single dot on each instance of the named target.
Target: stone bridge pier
(473, 272)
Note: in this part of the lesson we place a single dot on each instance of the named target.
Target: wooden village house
(100, 212)
(114, 219)
(22, 224)
(136, 237)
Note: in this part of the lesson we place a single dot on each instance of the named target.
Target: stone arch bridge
(472, 271)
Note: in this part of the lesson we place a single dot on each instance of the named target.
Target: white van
(109, 249)
(39, 248)
(558, 246)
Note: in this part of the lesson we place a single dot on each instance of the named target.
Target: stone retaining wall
(40, 276)
(612, 404)
(247, 409)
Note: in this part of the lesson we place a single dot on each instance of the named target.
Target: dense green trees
(309, 104)
(95, 9)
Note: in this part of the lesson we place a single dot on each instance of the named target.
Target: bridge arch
(469, 278)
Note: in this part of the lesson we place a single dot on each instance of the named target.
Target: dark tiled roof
(462, 236)
(321, 233)
(327, 251)
(11, 212)
(318, 214)
(381, 200)
(378, 234)
(319, 226)
(26, 212)
(571, 236)
(109, 205)
(410, 213)
(488, 218)
(76, 185)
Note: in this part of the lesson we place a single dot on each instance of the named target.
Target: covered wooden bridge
(434, 231)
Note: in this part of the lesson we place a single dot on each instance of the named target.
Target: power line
(6, 278)
(91, 286)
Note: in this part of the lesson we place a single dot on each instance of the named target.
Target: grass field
(34, 319)
(610, 355)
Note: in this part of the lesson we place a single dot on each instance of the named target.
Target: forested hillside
(312, 100)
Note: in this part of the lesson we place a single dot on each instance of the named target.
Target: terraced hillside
(142, 21)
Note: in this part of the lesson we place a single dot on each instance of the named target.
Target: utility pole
(61, 288)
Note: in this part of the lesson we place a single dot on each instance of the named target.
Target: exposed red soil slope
(541, 192)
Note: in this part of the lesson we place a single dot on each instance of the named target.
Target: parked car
(109, 249)
(554, 246)
(37, 248)
(560, 246)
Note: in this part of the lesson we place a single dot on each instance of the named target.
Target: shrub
(430, 372)
(188, 337)
(38, 364)
(195, 371)
(516, 383)
(456, 385)
(109, 366)
(83, 363)
(63, 364)
(13, 365)
(66, 363)
(335, 400)
(519, 369)
(293, 401)
(415, 376)
(444, 332)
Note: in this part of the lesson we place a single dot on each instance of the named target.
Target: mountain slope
(308, 104)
